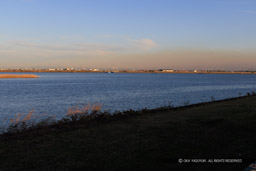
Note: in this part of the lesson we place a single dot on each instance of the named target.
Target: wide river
(55, 93)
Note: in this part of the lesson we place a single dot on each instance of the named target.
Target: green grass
(149, 140)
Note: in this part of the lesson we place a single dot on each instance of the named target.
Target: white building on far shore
(168, 70)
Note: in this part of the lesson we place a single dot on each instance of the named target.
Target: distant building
(66, 69)
(94, 70)
(51, 69)
(168, 70)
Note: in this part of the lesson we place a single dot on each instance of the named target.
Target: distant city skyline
(129, 34)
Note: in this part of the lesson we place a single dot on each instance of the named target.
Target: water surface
(54, 93)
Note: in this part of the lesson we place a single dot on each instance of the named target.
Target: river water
(55, 93)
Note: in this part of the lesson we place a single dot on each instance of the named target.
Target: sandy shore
(18, 76)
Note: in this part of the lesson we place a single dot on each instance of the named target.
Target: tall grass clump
(20, 122)
(75, 114)
(85, 112)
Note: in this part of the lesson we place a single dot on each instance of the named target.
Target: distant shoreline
(128, 71)
(18, 76)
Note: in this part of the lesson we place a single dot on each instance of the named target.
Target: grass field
(152, 140)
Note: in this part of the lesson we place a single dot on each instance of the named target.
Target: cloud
(71, 47)
(144, 44)
(188, 59)
(233, 2)
(248, 11)
(28, 0)
(106, 56)
(30, 53)
(74, 47)
(107, 36)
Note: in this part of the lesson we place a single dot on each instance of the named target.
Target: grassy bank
(18, 76)
(144, 140)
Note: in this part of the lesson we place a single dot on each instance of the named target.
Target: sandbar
(18, 76)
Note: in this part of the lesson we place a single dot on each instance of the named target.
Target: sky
(128, 34)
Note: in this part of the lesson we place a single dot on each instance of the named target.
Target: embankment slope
(147, 141)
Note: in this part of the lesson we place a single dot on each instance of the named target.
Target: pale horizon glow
(146, 34)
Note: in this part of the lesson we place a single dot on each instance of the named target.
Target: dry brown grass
(21, 122)
(28, 116)
(18, 117)
(84, 110)
(18, 76)
(77, 110)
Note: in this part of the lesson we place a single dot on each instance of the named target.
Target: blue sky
(188, 34)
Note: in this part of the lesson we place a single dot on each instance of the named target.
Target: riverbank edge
(136, 72)
(98, 117)
(147, 139)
